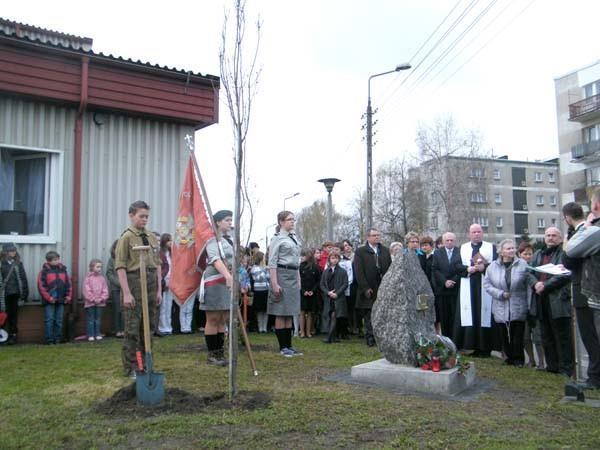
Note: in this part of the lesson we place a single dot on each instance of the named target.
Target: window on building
(483, 221)
(539, 177)
(591, 89)
(553, 200)
(590, 134)
(551, 177)
(477, 197)
(499, 222)
(498, 197)
(553, 221)
(539, 200)
(496, 174)
(541, 223)
(29, 187)
(477, 172)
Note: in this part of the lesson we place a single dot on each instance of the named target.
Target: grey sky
(317, 56)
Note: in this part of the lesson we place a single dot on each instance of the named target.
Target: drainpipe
(77, 194)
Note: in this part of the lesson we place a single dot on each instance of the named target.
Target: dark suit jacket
(340, 281)
(369, 269)
(442, 270)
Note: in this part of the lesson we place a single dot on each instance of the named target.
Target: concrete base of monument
(395, 376)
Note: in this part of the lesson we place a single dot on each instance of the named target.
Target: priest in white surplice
(474, 327)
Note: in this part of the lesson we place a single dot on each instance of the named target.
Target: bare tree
(311, 224)
(452, 173)
(239, 79)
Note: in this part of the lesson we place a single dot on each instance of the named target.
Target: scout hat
(220, 215)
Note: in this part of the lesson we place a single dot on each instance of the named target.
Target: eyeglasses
(290, 219)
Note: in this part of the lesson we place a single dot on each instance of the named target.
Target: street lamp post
(329, 182)
(404, 66)
(287, 198)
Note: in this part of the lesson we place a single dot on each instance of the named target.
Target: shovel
(149, 385)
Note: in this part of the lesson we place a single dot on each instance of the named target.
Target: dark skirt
(259, 302)
(308, 304)
(341, 309)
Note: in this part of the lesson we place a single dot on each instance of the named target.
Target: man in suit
(445, 277)
(371, 262)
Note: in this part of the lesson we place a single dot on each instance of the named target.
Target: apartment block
(508, 198)
(578, 123)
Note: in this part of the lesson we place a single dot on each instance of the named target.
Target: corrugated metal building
(99, 132)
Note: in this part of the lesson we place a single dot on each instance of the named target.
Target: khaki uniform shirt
(126, 258)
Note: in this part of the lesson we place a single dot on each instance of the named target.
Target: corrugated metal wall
(46, 126)
(127, 159)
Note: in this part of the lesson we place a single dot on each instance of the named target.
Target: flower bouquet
(438, 354)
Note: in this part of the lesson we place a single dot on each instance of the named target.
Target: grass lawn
(50, 397)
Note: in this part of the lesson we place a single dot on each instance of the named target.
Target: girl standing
(95, 293)
(217, 288)
(310, 276)
(165, 327)
(260, 278)
(284, 295)
(114, 289)
(334, 282)
(13, 287)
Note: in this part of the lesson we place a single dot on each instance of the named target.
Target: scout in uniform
(284, 296)
(127, 265)
(217, 281)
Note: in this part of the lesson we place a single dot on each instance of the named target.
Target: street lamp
(287, 198)
(329, 182)
(404, 66)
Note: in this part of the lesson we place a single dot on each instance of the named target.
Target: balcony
(586, 152)
(586, 109)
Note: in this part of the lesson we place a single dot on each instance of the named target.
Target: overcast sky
(316, 57)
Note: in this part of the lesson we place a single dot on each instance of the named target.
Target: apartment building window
(590, 134)
(539, 177)
(483, 221)
(539, 200)
(541, 223)
(477, 197)
(498, 197)
(496, 174)
(591, 89)
(553, 200)
(553, 221)
(477, 172)
(499, 222)
(551, 177)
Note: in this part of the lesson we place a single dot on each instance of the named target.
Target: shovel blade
(150, 388)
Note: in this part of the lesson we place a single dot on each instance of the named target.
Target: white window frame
(539, 177)
(53, 207)
(498, 198)
(539, 200)
(541, 223)
(477, 197)
(499, 222)
(496, 174)
(552, 200)
(551, 177)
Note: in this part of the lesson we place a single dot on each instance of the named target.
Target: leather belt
(282, 266)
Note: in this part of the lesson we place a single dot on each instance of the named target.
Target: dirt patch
(124, 403)
(197, 348)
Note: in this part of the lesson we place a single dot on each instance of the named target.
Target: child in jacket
(95, 293)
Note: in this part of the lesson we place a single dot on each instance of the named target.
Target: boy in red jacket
(55, 288)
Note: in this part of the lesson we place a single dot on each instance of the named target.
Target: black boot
(12, 339)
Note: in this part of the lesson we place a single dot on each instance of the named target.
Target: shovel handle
(143, 249)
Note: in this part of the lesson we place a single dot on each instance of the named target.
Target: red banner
(192, 231)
